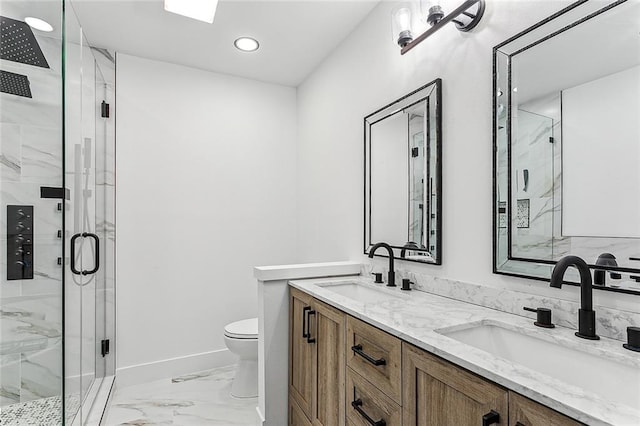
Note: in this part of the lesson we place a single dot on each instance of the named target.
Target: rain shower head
(15, 84)
(19, 44)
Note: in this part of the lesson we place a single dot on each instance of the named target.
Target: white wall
(367, 72)
(389, 180)
(206, 170)
(601, 157)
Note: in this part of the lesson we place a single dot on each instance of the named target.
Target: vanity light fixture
(466, 17)
(401, 24)
(201, 10)
(38, 24)
(246, 44)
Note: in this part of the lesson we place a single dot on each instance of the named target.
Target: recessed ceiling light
(38, 24)
(246, 44)
(202, 10)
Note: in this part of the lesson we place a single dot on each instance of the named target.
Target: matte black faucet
(586, 314)
(391, 281)
(599, 275)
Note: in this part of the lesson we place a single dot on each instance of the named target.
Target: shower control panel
(19, 242)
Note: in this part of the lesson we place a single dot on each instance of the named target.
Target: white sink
(359, 292)
(610, 379)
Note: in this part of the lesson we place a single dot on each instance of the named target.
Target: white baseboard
(167, 368)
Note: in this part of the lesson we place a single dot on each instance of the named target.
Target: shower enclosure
(57, 190)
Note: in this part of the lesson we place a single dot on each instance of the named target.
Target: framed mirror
(567, 145)
(403, 176)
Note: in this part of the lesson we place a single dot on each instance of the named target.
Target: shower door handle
(96, 264)
(73, 254)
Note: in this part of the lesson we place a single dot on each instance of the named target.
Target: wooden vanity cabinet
(331, 384)
(366, 403)
(525, 412)
(437, 393)
(300, 354)
(377, 357)
(316, 362)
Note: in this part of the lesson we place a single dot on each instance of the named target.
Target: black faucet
(391, 281)
(410, 245)
(599, 275)
(586, 314)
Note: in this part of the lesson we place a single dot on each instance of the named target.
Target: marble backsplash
(611, 323)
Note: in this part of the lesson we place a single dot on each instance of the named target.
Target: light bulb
(401, 25)
(431, 11)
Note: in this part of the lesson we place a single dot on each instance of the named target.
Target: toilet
(241, 337)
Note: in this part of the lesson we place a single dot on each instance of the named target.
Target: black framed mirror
(566, 145)
(403, 176)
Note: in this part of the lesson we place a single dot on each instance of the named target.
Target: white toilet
(241, 337)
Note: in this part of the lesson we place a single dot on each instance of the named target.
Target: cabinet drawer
(525, 412)
(364, 400)
(376, 355)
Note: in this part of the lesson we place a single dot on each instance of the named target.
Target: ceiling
(295, 36)
(606, 44)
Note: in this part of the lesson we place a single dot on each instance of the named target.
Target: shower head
(15, 84)
(19, 44)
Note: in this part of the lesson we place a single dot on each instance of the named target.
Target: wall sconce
(466, 17)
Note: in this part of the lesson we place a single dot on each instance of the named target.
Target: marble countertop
(416, 316)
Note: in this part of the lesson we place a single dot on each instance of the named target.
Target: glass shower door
(56, 188)
(89, 134)
(31, 177)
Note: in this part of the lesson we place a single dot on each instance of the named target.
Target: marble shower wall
(532, 186)
(31, 157)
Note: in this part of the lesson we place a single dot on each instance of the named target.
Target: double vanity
(365, 354)
(449, 353)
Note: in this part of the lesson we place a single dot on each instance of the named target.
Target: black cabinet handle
(304, 321)
(356, 406)
(96, 264)
(72, 263)
(309, 338)
(491, 418)
(519, 424)
(377, 362)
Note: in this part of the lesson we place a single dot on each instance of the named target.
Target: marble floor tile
(195, 399)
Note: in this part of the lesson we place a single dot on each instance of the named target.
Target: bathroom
(206, 167)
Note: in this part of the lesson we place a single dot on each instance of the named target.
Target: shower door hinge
(104, 109)
(104, 347)
(415, 152)
(552, 139)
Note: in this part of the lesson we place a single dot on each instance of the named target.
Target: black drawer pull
(377, 362)
(304, 321)
(519, 424)
(491, 418)
(356, 406)
(309, 339)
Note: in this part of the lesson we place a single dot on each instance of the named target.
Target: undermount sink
(359, 292)
(610, 379)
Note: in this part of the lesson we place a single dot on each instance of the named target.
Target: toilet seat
(244, 329)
